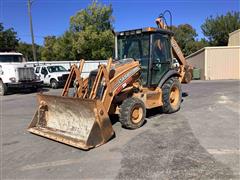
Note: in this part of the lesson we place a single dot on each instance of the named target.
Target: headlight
(12, 79)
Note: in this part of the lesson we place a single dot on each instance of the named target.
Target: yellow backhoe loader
(142, 76)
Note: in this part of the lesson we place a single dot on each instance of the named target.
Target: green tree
(96, 15)
(58, 48)
(90, 44)
(26, 50)
(8, 39)
(185, 36)
(194, 46)
(217, 29)
(64, 47)
(89, 36)
(48, 51)
(92, 29)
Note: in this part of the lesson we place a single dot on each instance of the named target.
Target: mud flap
(82, 123)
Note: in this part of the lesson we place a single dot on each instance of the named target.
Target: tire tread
(125, 113)
(166, 88)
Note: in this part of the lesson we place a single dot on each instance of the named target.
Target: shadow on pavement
(169, 150)
(26, 91)
(184, 94)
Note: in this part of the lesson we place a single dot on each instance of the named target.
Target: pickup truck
(52, 75)
(15, 73)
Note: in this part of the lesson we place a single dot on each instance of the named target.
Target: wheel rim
(137, 115)
(174, 96)
(54, 84)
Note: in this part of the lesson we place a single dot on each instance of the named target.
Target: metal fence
(88, 66)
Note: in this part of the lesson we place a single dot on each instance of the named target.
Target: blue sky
(51, 17)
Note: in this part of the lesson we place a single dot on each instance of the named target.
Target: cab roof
(144, 30)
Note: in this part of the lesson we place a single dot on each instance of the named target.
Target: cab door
(44, 75)
(160, 58)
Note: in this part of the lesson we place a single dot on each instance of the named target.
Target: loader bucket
(82, 123)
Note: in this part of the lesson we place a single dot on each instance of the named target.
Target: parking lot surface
(201, 141)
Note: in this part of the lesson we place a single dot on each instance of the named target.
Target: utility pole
(31, 29)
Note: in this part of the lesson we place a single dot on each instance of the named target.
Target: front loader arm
(120, 81)
(111, 79)
(75, 73)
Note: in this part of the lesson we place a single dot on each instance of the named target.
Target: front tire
(54, 84)
(172, 95)
(3, 88)
(132, 113)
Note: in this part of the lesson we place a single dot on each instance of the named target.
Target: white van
(52, 75)
(15, 73)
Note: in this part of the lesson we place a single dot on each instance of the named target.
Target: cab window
(161, 48)
(44, 70)
(37, 69)
(161, 57)
(136, 47)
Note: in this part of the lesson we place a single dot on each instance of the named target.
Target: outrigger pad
(82, 123)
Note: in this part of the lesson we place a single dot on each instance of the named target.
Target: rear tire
(187, 77)
(172, 95)
(3, 88)
(54, 84)
(132, 113)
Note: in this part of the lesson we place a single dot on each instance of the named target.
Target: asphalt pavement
(201, 141)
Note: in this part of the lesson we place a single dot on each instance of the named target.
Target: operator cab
(151, 47)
